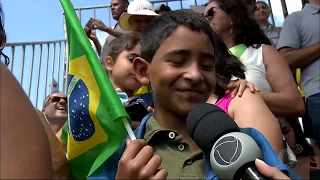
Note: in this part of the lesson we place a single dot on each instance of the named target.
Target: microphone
(232, 153)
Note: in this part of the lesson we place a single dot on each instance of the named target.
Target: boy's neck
(170, 120)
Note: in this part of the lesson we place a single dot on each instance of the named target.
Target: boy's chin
(183, 109)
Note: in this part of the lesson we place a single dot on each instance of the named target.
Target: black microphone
(232, 153)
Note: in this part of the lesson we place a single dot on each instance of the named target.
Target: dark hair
(126, 42)
(245, 29)
(163, 26)
(3, 37)
(162, 8)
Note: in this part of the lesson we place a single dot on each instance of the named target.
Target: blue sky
(42, 20)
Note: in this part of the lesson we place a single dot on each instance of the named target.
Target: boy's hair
(163, 26)
(126, 42)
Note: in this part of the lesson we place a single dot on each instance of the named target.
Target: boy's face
(182, 73)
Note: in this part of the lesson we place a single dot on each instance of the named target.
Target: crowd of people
(226, 56)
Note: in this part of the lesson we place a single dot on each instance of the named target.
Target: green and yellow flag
(95, 129)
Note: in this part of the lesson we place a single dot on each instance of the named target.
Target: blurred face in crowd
(182, 70)
(261, 11)
(56, 107)
(121, 70)
(220, 22)
(117, 8)
(140, 22)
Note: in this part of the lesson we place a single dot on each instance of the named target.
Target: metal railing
(37, 64)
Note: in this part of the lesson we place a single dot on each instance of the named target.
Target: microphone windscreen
(206, 123)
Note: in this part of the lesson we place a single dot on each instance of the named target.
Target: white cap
(136, 7)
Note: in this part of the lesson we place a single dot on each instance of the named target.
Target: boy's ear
(140, 69)
(108, 65)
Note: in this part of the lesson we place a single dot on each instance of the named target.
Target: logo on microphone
(227, 150)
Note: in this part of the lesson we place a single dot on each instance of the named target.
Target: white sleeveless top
(255, 72)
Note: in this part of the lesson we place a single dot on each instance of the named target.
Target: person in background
(265, 68)
(299, 44)
(178, 60)
(117, 7)
(140, 13)
(162, 9)
(261, 15)
(118, 65)
(55, 110)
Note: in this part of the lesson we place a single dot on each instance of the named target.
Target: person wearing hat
(162, 9)
(139, 14)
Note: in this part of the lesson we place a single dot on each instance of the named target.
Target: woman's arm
(286, 99)
(59, 160)
(25, 150)
(251, 111)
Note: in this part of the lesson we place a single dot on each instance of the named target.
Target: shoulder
(294, 16)
(269, 53)
(248, 100)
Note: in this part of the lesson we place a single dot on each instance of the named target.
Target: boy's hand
(239, 86)
(139, 162)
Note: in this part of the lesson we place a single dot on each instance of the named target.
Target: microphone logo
(227, 150)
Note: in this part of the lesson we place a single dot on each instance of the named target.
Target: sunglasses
(56, 99)
(210, 13)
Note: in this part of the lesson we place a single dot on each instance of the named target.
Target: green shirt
(176, 155)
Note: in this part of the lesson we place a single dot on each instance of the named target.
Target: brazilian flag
(95, 127)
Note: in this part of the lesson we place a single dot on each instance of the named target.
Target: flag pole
(129, 129)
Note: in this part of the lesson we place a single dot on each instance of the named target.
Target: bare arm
(97, 45)
(25, 150)
(98, 24)
(300, 58)
(114, 32)
(285, 100)
(60, 163)
(250, 111)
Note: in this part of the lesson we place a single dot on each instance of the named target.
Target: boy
(179, 54)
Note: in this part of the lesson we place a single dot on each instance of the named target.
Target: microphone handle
(253, 173)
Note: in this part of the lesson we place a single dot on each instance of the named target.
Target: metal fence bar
(12, 57)
(79, 14)
(46, 77)
(53, 60)
(31, 70)
(39, 71)
(109, 12)
(59, 57)
(272, 17)
(22, 63)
